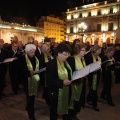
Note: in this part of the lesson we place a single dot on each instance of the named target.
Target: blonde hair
(95, 48)
(45, 47)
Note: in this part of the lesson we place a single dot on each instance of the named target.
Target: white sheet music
(8, 60)
(94, 66)
(80, 73)
(108, 61)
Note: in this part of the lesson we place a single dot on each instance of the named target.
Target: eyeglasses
(82, 50)
(66, 54)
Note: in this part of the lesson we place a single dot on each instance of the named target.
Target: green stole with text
(77, 88)
(63, 95)
(112, 71)
(33, 81)
(94, 80)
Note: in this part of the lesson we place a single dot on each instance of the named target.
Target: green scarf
(112, 71)
(63, 96)
(94, 81)
(77, 88)
(46, 58)
(33, 81)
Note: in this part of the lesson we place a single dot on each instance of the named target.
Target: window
(72, 17)
(111, 10)
(89, 14)
(110, 26)
(99, 12)
(98, 27)
(80, 15)
(71, 29)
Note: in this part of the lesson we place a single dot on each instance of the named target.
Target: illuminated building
(24, 33)
(102, 20)
(54, 27)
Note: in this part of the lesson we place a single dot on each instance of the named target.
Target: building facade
(54, 27)
(24, 33)
(102, 20)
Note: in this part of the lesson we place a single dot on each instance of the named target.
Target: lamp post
(42, 38)
(103, 37)
(93, 38)
(82, 27)
(113, 36)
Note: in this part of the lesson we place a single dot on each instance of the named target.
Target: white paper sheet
(80, 73)
(8, 60)
(94, 66)
(108, 61)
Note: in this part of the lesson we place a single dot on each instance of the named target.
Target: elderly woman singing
(28, 66)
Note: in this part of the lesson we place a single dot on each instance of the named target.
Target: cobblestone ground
(12, 107)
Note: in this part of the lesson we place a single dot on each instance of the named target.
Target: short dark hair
(62, 47)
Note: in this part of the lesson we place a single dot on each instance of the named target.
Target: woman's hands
(67, 82)
(32, 72)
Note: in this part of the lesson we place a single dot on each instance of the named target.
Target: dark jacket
(53, 81)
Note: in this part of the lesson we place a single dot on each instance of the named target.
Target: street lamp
(42, 38)
(113, 36)
(93, 38)
(82, 27)
(103, 36)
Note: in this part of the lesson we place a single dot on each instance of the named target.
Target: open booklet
(41, 70)
(114, 64)
(86, 70)
(94, 66)
(80, 73)
(108, 61)
(8, 60)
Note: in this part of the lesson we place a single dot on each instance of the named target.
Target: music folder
(80, 73)
(41, 70)
(86, 70)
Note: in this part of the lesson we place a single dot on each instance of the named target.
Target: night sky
(31, 10)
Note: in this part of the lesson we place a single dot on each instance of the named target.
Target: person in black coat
(3, 67)
(77, 62)
(94, 77)
(28, 65)
(117, 59)
(58, 76)
(13, 66)
(108, 75)
(39, 54)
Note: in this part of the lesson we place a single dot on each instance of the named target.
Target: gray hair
(29, 47)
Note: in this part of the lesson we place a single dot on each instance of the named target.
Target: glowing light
(68, 17)
(115, 10)
(93, 12)
(75, 15)
(5, 26)
(26, 29)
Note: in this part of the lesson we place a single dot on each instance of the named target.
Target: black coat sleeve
(23, 70)
(52, 75)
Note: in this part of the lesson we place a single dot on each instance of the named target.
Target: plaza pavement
(12, 107)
